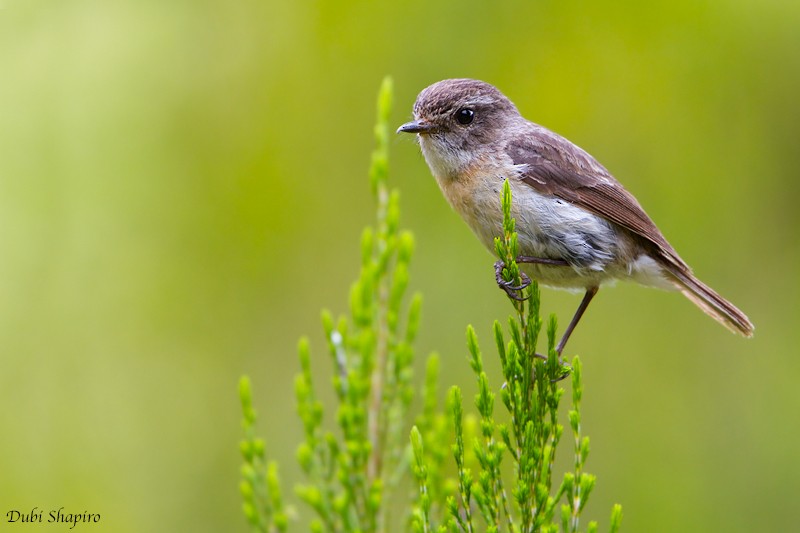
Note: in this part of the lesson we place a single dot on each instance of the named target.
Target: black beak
(416, 126)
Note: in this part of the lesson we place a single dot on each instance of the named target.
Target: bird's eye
(465, 116)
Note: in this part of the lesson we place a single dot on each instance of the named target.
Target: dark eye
(464, 116)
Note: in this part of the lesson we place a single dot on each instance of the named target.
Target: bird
(578, 227)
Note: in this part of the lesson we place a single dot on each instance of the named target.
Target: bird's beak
(416, 126)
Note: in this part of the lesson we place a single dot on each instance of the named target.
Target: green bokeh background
(183, 186)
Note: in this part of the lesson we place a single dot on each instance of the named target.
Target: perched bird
(577, 226)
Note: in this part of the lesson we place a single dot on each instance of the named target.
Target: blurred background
(183, 186)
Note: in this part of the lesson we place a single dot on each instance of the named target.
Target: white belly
(597, 251)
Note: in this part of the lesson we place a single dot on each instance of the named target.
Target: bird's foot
(513, 291)
(563, 368)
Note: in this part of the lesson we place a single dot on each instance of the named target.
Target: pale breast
(547, 227)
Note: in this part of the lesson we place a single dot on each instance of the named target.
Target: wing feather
(554, 166)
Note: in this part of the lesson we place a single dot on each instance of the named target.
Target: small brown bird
(577, 226)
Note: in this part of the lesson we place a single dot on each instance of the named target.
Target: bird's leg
(508, 286)
(590, 292)
(513, 290)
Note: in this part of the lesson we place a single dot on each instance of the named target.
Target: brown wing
(554, 166)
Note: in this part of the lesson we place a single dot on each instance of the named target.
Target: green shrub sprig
(460, 479)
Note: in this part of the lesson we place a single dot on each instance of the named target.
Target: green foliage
(529, 437)
(352, 474)
(354, 471)
(261, 493)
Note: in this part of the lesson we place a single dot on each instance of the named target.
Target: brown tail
(712, 303)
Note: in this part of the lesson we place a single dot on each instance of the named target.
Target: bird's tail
(712, 303)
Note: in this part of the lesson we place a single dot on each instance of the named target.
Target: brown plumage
(597, 191)
(578, 224)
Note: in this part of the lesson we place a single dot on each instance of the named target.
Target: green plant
(484, 500)
(354, 471)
